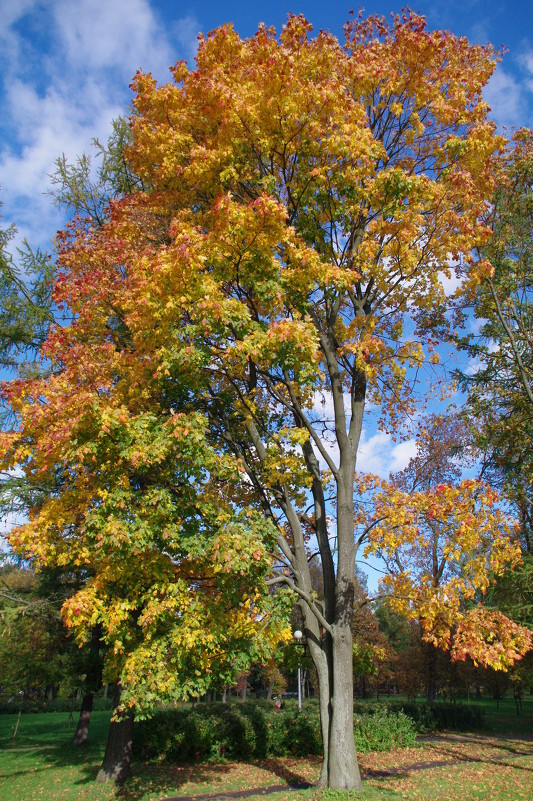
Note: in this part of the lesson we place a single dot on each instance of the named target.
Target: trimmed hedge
(383, 730)
(216, 731)
(439, 715)
(457, 716)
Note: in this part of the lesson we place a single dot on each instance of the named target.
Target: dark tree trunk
(82, 730)
(93, 683)
(117, 759)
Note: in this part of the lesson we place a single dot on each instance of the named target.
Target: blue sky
(66, 65)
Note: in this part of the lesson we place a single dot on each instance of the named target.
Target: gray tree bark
(116, 765)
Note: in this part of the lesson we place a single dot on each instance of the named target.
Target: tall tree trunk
(82, 730)
(117, 759)
(343, 769)
(319, 655)
(94, 681)
(340, 769)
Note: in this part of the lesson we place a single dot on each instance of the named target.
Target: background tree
(500, 390)
(25, 301)
(283, 237)
(405, 638)
(443, 545)
(35, 654)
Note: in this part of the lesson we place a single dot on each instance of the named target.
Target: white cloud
(381, 455)
(377, 454)
(452, 282)
(526, 61)
(63, 88)
(509, 94)
(474, 366)
(401, 455)
(504, 95)
(98, 34)
(12, 11)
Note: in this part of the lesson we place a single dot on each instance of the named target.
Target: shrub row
(252, 730)
(214, 731)
(457, 716)
(383, 730)
(426, 716)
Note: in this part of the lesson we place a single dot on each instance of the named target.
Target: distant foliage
(10, 703)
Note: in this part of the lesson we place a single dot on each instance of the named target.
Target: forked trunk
(340, 769)
(117, 760)
(343, 770)
(82, 730)
(320, 660)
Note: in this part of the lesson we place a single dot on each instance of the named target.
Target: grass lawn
(41, 765)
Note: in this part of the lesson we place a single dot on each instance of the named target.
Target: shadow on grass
(509, 750)
(44, 743)
(444, 752)
(84, 761)
(167, 778)
(283, 771)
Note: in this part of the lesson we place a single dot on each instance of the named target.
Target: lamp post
(298, 636)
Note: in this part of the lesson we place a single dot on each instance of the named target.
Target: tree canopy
(298, 201)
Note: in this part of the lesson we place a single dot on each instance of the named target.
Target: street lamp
(298, 636)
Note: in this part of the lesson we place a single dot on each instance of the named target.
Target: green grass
(502, 717)
(42, 765)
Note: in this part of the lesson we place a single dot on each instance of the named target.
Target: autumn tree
(500, 387)
(445, 449)
(302, 198)
(27, 313)
(444, 540)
